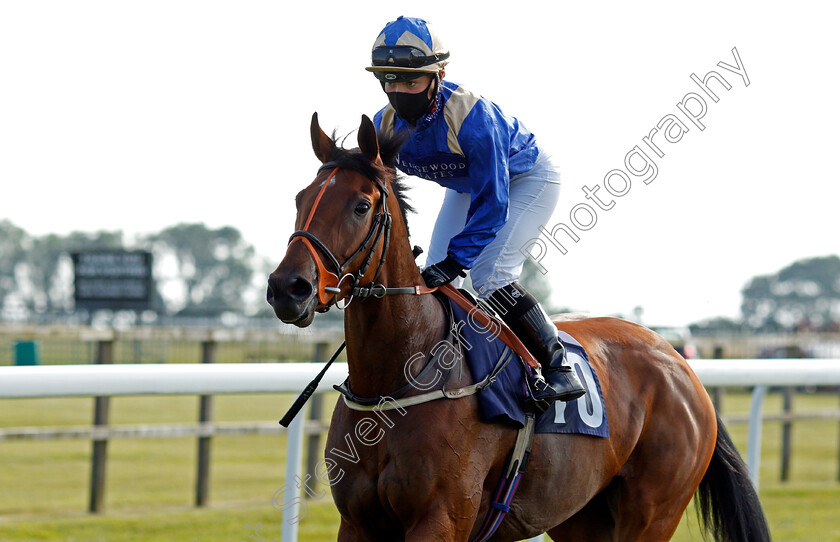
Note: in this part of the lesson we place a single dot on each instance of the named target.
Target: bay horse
(426, 472)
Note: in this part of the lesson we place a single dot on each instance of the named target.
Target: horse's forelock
(382, 174)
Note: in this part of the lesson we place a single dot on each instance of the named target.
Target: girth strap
(431, 365)
(506, 490)
(386, 402)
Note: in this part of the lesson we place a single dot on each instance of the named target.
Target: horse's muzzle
(292, 297)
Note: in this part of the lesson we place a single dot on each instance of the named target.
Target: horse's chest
(380, 475)
(390, 468)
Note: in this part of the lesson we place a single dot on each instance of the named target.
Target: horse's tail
(728, 503)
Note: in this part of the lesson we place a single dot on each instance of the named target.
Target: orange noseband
(326, 278)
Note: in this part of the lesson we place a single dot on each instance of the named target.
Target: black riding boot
(524, 315)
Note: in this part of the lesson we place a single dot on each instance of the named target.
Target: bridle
(328, 282)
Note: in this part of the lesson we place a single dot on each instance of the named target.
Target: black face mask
(412, 107)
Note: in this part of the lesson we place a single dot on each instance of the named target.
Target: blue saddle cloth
(503, 400)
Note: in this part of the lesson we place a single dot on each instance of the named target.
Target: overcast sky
(140, 115)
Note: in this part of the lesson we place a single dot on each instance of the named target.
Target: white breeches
(533, 197)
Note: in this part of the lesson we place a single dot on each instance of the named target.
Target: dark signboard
(113, 279)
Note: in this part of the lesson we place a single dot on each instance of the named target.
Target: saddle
(507, 400)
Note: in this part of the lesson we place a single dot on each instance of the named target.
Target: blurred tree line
(198, 271)
(201, 271)
(802, 297)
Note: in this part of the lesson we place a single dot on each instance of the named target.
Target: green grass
(796, 512)
(218, 523)
(43, 485)
(141, 473)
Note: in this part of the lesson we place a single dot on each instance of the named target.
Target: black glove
(442, 272)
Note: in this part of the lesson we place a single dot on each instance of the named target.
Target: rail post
(101, 406)
(787, 426)
(205, 415)
(754, 433)
(294, 451)
(718, 392)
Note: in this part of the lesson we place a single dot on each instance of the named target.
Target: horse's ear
(322, 144)
(368, 140)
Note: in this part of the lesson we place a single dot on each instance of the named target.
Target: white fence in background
(244, 378)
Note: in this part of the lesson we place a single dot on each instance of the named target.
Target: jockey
(500, 187)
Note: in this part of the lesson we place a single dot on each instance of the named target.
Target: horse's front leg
(442, 525)
(348, 533)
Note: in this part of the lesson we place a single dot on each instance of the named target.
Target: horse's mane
(389, 147)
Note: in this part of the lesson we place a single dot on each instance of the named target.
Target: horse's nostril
(272, 288)
(299, 288)
(284, 289)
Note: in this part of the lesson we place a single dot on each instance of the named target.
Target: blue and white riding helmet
(406, 49)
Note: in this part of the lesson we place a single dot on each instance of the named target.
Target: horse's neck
(383, 335)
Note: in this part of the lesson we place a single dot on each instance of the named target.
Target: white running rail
(243, 378)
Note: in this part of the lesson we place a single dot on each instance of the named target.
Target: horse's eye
(362, 208)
